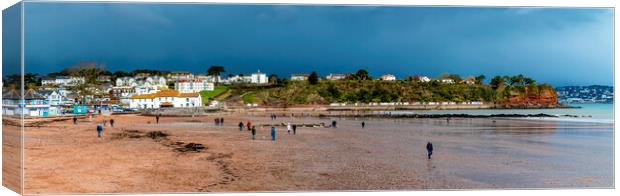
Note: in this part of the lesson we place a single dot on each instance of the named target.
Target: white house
(388, 77)
(54, 97)
(336, 76)
(259, 78)
(193, 86)
(208, 78)
(165, 98)
(62, 81)
(299, 77)
(446, 80)
(176, 76)
(469, 80)
(156, 81)
(255, 78)
(422, 78)
(104, 78)
(126, 81)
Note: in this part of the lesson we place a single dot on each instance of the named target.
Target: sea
(575, 151)
(595, 113)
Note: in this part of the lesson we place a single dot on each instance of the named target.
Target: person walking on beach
(105, 122)
(249, 125)
(157, 118)
(217, 121)
(111, 122)
(288, 128)
(221, 121)
(240, 126)
(273, 134)
(74, 120)
(334, 123)
(363, 124)
(294, 129)
(253, 132)
(429, 148)
(99, 130)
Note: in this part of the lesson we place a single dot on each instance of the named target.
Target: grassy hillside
(365, 91)
(217, 92)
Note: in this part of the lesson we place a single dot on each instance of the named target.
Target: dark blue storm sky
(561, 46)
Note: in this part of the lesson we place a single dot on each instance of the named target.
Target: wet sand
(389, 154)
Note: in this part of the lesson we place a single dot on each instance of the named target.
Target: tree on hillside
(215, 70)
(497, 81)
(273, 78)
(120, 74)
(529, 81)
(455, 77)
(362, 74)
(55, 74)
(313, 78)
(480, 79)
(31, 79)
(517, 80)
(87, 84)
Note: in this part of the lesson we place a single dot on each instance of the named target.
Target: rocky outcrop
(526, 97)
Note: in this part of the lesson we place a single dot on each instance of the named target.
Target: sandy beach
(388, 154)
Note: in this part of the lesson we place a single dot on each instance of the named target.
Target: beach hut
(80, 109)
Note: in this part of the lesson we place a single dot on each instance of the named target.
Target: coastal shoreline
(316, 110)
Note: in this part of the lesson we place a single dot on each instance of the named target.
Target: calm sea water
(603, 113)
(563, 152)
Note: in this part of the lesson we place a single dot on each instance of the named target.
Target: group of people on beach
(219, 121)
(290, 127)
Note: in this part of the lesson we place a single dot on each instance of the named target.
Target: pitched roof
(11, 95)
(189, 95)
(31, 94)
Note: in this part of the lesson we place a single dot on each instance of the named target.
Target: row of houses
(331, 76)
(385, 77)
(141, 91)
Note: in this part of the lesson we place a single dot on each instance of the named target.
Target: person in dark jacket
(273, 134)
(429, 148)
(74, 120)
(157, 118)
(111, 122)
(294, 129)
(99, 130)
(334, 123)
(221, 121)
(363, 124)
(240, 126)
(253, 132)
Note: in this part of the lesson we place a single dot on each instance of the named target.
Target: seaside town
(70, 92)
(585, 94)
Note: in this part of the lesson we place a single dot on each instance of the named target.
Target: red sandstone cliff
(530, 98)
